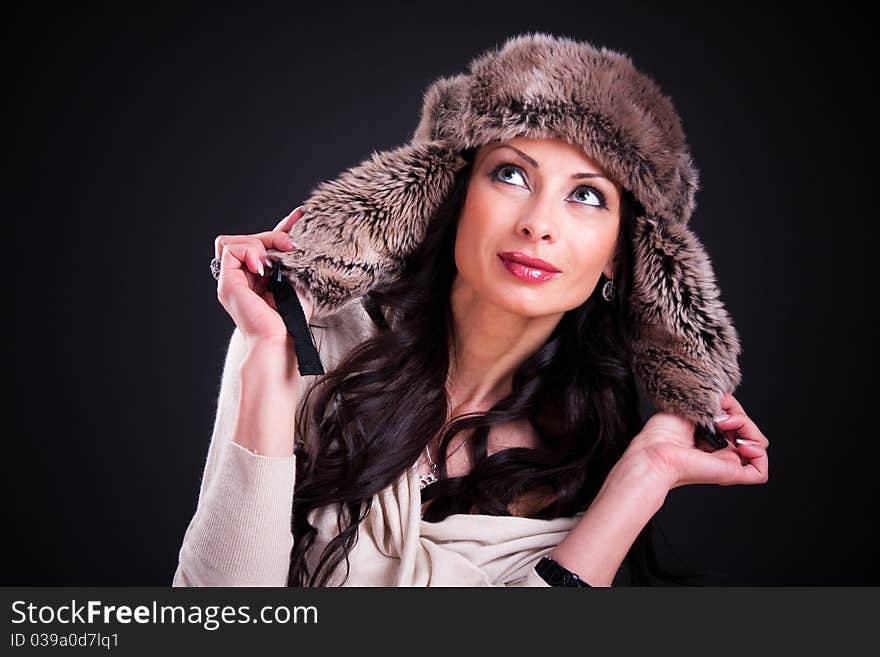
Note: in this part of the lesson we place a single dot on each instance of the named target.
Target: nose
(535, 226)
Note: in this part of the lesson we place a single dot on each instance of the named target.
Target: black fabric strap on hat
(307, 357)
(710, 435)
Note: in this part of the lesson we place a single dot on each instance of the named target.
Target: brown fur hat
(358, 228)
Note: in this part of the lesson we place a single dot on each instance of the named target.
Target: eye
(506, 172)
(595, 194)
(499, 172)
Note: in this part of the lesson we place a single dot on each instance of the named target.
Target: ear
(358, 228)
(685, 346)
(610, 268)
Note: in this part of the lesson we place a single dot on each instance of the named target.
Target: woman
(482, 317)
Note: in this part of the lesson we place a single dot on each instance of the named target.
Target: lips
(528, 261)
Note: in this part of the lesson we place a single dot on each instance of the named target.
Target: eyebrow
(535, 164)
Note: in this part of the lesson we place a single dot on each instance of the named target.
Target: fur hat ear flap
(358, 228)
(685, 347)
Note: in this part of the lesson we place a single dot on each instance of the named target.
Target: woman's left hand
(667, 442)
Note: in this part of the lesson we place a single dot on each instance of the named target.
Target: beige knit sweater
(240, 534)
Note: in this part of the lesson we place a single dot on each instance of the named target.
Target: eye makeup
(600, 195)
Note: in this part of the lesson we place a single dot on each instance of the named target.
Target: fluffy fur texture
(358, 229)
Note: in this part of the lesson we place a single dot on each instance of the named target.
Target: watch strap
(557, 575)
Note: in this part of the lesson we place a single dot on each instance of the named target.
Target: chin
(522, 303)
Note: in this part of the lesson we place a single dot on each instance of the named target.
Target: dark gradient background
(135, 136)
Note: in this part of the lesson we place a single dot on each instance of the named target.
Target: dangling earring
(608, 289)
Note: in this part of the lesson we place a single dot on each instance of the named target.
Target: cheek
(593, 252)
(467, 240)
(475, 231)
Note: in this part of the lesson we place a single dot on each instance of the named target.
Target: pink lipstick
(528, 268)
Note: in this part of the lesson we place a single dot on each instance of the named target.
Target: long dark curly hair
(376, 411)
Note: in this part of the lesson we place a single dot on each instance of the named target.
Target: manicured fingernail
(743, 441)
(292, 244)
(268, 261)
(261, 269)
(721, 417)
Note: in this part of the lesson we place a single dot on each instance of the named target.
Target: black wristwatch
(556, 575)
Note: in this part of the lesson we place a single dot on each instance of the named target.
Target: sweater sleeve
(240, 534)
(531, 579)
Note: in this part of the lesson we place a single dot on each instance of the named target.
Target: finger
(731, 405)
(737, 467)
(233, 273)
(272, 239)
(239, 290)
(219, 242)
(223, 240)
(758, 464)
(268, 239)
(277, 239)
(728, 454)
(287, 223)
(257, 242)
(242, 257)
(739, 425)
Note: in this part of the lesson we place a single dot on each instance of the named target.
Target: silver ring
(215, 268)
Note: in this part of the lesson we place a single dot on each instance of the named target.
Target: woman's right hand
(242, 286)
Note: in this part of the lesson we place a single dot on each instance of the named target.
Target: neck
(489, 345)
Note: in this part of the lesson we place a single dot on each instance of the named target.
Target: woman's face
(542, 198)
